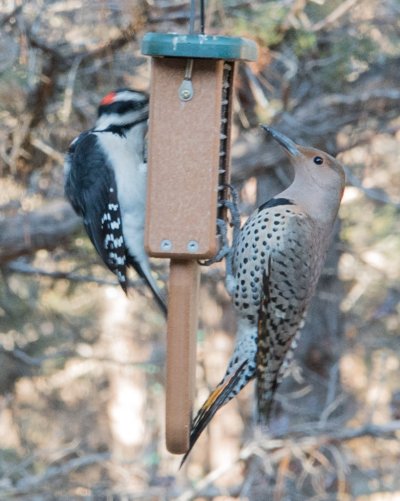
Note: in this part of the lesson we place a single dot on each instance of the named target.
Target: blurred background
(82, 366)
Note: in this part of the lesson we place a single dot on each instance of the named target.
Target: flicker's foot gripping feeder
(225, 249)
(189, 132)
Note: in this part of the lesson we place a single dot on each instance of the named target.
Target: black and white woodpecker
(105, 181)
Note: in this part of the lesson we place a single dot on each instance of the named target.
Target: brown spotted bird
(272, 272)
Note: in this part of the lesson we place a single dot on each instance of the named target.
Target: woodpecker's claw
(224, 249)
(216, 400)
(233, 208)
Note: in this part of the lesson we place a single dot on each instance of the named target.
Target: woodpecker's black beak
(283, 140)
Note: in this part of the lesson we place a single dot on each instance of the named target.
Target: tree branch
(27, 269)
(45, 228)
(33, 483)
(335, 15)
(55, 64)
(305, 442)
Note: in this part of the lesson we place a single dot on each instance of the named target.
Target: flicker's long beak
(283, 140)
(211, 406)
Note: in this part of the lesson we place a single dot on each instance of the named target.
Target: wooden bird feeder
(188, 161)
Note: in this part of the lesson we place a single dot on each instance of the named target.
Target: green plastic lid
(199, 46)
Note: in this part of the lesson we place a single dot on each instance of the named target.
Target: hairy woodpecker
(105, 181)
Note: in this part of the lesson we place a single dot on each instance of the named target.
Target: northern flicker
(272, 272)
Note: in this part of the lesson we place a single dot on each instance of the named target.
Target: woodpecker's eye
(318, 160)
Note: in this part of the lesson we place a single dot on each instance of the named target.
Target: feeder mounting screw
(166, 245)
(193, 246)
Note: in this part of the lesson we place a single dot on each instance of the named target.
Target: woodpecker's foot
(224, 249)
(235, 214)
(233, 207)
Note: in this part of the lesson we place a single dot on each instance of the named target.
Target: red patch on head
(109, 98)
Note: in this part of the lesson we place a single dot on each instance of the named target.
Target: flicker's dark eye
(318, 160)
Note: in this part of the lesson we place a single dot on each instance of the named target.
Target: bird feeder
(188, 168)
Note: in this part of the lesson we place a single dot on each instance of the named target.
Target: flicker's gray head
(315, 167)
(318, 183)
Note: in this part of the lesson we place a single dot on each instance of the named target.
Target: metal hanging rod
(192, 17)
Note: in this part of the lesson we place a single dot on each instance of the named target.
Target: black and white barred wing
(96, 201)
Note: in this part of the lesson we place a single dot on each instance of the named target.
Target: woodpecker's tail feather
(214, 402)
(160, 300)
(144, 272)
(264, 407)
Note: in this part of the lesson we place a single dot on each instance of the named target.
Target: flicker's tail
(220, 396)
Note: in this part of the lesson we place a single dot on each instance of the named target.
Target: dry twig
(35, 483)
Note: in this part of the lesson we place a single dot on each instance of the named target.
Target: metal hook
(186, 88)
